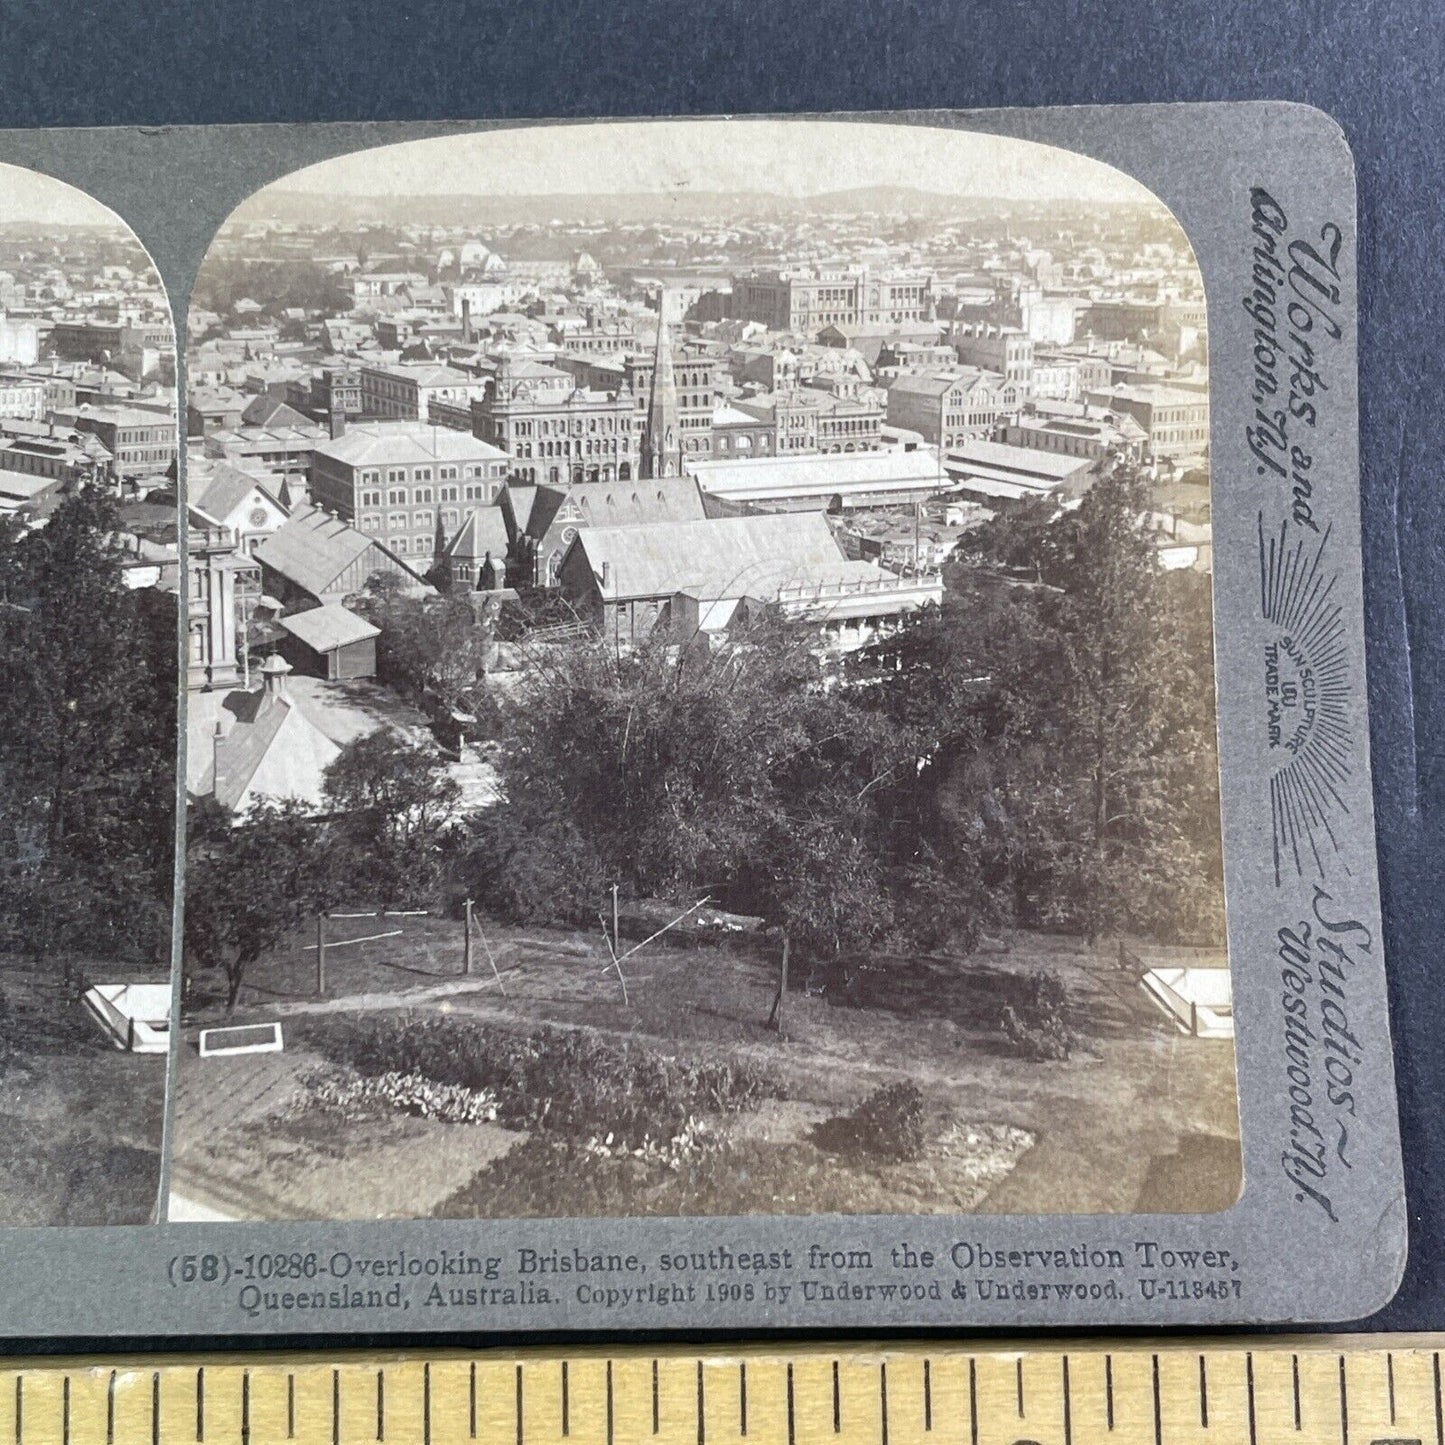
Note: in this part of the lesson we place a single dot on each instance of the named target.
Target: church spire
(661, 438)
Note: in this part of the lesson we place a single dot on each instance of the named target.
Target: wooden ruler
(1319, 1390)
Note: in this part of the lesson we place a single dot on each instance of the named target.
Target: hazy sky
(796, 158)
(28, 197)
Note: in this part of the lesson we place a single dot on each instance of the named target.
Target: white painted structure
(1199, 1000)
(135, 1016)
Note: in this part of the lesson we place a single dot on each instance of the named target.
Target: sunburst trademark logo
(1307, 686)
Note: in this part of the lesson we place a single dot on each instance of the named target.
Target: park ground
(80, 1121)
(1138, 1118)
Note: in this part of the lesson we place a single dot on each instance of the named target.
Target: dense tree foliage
(88, 677)
(432, 650)
(1040, 751)
(248, 885)
(388, 803)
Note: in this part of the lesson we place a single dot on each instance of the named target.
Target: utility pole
(321, 954)
(616, 933)
(467, 938)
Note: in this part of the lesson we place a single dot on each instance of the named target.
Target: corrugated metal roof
(716, 557)
(314, 548)
(324, 629)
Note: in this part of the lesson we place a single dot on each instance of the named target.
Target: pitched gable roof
(226, 489)
(271, 411)
(324, 629)
(628, 504)
(281, 753)
(313, 549)
(483, 530)
(717, 557)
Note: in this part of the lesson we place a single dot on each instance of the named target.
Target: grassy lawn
(80, 1122)
(1138, 1117)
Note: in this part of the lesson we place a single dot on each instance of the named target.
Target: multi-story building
(22, 397)
(1007, 350)
(101, 341)
(142, 443)
(403, 391)
(594, 335)
(397, 482)
(281, 450)
(556, 431)
(1175, 420)
(43, 449)
(948, 409)
(848, 424)
(806, 299)
(334, 390)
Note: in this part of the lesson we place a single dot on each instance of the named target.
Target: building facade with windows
(404, 391)
(806, 299)
(947, 410)
(397, 482)
(142, 443)
(557, 432)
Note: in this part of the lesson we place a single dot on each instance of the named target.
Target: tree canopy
(88, 681)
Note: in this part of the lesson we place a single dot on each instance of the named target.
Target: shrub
(888, 1124)
(569, 1082)
(1038, 1027)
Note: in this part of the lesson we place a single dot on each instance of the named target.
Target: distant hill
(317, 208)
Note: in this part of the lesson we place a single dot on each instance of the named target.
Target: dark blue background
(1376, 67)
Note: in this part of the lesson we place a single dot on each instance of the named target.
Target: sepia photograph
(89, 581)
(700, 691)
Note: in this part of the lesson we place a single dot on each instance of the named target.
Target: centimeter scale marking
(1316, 1391)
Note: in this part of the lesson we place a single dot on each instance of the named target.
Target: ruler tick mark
(20, 1400)
(701, 1409)
(742, 1397)
(336, 1407)
(792, 1437)
(1294, 1375)
(110, 1410)
(380, 1405)
(1109, 1391)
(245, 1407)
(654, 1398)
(1439, 1423)
(65, 1410)
(883, 1400)
(290, 1407)
(566, 1402)
(837, 1402)
(1249, 1392)
(927, 1397)
(972, 1402)
(520, 1441)
(156, 1408)
(1068, 1407)
(1019, 1383)
(1344, 1406)
(201, 1403)
(472, 1401)
(1203, 1395)
(1390, 1382)
(426, 1403)
(1158, 1417)
(609, 1403)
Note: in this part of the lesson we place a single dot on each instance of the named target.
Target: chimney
(468, 336)
(606, 575)
(336, 422)
(274, 672)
